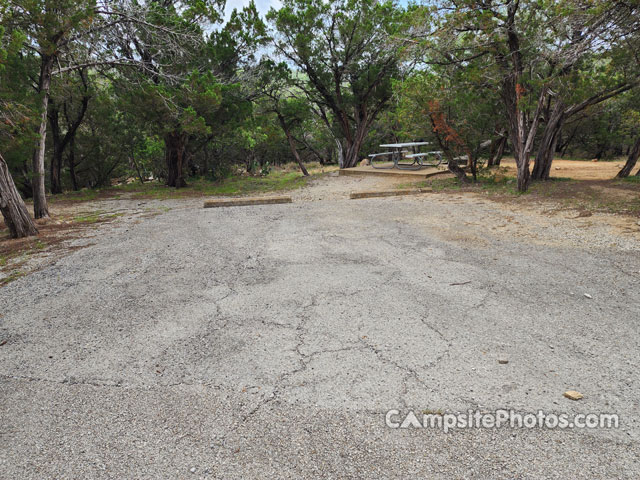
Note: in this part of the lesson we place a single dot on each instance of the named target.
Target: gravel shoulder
(269, 341)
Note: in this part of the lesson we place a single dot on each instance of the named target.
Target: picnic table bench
(397, 151)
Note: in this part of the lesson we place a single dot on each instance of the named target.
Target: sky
(263, 6)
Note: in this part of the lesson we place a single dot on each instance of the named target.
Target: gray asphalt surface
(269, 341)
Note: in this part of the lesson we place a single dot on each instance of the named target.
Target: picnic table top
(401, 145)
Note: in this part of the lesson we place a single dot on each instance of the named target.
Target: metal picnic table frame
(398, 149)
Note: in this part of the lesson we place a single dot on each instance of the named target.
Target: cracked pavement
(269, 341)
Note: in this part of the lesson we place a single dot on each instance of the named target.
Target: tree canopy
(96, 91)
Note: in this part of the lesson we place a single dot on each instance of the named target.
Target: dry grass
(584, 186)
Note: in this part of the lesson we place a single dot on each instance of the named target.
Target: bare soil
(576, 169)
(592, 196)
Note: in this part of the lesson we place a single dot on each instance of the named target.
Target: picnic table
(398, 151)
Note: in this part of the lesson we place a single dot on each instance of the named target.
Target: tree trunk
(522, 135)
(40, 209)
(56, 167)
(137, 167)
(497, 150)
(313, 151)
(205, 165)
(562, 148)
(522, 130)
(452, 164)
(631, 161)
(71, 159)
(175, 144)
(351, 155)
(501, 146)
(292, 144)
(492, 151)
(56, 158)
(547, 147)
(14, 211)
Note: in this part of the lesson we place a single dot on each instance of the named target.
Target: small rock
(573, 395)
(193, 470)
(587, 295)
(503, 361)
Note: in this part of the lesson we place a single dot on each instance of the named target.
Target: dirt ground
(576, 169)
(74, 224)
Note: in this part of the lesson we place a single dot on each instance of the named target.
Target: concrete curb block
(246, 201)
(389, 193)
(392, 172)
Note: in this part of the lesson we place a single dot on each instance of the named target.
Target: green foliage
(337, 76)
(631, 179)
(348, 53)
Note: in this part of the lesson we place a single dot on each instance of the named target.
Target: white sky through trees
(263, 6)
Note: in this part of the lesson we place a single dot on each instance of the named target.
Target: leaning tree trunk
(548, 143)
(499, 154)
(631, 161)
(492, 151)
(14, 211)
(175, 144)
(497, 150)
(40, 209)
(292, 144)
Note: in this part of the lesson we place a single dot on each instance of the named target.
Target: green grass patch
(631, 179)
(94, 217)
(84, 195)
(91, 218)
(282, 178)
(276, 181)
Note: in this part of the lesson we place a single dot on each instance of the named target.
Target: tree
(67, 35)
(13, 209)
(500, 32)
(631, 161)
(185, 98)
(591, 66)
(73, 113)
(280, 99)
(631, 129)
(13, 118)
(455, 105)
(531, 44)
(346, 53)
